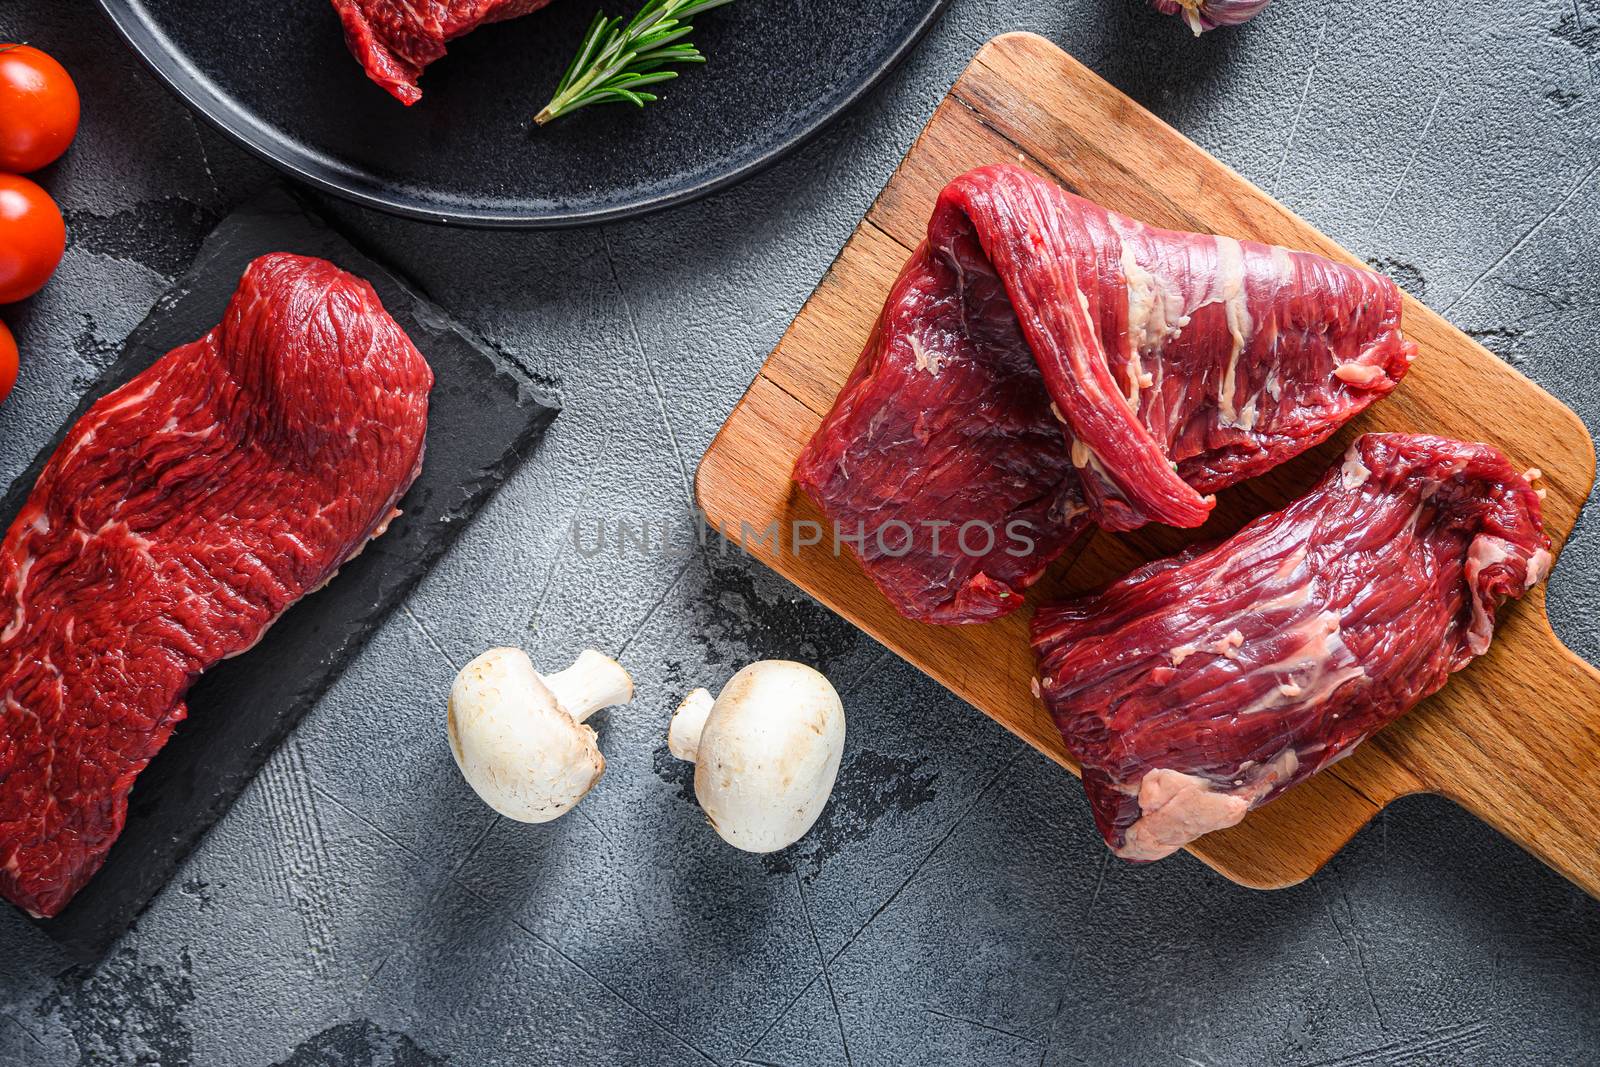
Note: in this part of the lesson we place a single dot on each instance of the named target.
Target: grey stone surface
(359, 907)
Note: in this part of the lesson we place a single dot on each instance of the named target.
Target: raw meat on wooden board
(1512, 742)
(1046, 362)
(178, 519)
(946, 419)
(1201, 686)
(395, 40)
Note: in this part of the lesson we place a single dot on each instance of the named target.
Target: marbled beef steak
(1202, 686)
(180, 517)
(1044, 363)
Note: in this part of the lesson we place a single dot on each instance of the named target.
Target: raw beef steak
(178, 519)
(396, 39)
(946, 422)
(1202, 686)
(1047, 362)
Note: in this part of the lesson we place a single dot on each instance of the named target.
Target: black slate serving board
(484, 417)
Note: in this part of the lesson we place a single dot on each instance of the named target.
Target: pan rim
(241, 126)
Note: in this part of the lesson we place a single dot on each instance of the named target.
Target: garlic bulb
(1203, 15)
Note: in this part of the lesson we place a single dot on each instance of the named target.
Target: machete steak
(1202, 686)
(178, 519)
(1043, 363)
(395, 40)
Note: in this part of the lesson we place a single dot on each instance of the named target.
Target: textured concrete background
(359, 907)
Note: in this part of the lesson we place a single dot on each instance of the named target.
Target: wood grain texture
(1515, 738)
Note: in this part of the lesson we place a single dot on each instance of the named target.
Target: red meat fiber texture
(181, 516)
(1043, 360)
(395, 40)
(1201, 686)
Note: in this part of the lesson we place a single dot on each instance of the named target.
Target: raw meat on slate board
(1047, 362)
(1202, 686)
(178, 519)
(395, 40)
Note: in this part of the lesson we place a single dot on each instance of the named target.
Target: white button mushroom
(766, 752)
(518, 736)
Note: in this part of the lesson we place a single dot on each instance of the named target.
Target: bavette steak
(179, 518)
(395, 40)
(1202, 686)
(1043, 363)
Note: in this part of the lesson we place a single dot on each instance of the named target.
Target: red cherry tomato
(32, 238)
(38, 109)
(8, 362)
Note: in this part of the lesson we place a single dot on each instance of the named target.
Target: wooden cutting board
(1515, 738)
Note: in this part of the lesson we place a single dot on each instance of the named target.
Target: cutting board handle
(1538, 785)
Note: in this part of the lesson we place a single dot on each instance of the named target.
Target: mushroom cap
(769, 754)
(521, 753)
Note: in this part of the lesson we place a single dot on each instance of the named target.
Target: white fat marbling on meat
(1315, 667)
(925, 360)
(1086, 458)
(1088, 316)
(1297, 596)
(1291, 563)
(1096, 467)
(1081, 453)
(1228, 644)
(1486, 551)
(1483, 552)
(19, 613)
(1319, 641)
(1415, 519)
(1247, 414)
(383, 526)
(1229, 291)
(1538, 567)
(1282, 263)
(13, 707)
(1362, 374)
(1354, 473)
(1156, 311)
(1183, 652)
(1534, 474)
(133, 399)
(1159, 310)
(1176, 808)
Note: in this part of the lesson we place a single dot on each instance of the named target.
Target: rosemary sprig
(617, 61)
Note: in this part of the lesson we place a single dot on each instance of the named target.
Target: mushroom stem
(594, 681)
(683, 737)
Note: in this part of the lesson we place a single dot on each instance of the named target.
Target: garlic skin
(1203, 15)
